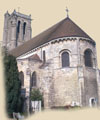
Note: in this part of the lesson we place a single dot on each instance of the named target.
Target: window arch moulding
(65, 58)
(88, 58)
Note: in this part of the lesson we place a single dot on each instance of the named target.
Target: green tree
(36, 95)
(12, 85)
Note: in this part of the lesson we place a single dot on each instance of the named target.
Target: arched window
(65, 59)
(44, 56)
(17, 31)
(24, 28)
(93, 102)
(33, 80)
(21, 77)
(88, 58)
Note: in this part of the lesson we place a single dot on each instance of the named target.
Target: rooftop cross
(18, 9)
(67, 12)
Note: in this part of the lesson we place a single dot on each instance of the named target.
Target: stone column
(20, 39)
(98, 83)
(28, 74)
(81, 85)
(5, 29)
(13, 41)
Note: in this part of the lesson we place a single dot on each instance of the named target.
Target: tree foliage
(12, 85)
(36, 95)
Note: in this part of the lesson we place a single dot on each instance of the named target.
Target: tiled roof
(65, 28)
(35, 57)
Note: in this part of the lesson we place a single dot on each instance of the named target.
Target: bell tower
(17, 29)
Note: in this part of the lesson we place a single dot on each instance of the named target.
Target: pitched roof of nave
(65, 28)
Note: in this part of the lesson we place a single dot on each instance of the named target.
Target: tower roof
(21, 15)
(65, 28)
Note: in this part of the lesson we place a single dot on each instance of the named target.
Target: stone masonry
(76, 83)
(62, 86)
(17, 29)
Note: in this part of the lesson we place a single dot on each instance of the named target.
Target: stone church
(61, 61)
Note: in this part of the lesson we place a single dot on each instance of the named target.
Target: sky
(45, 13)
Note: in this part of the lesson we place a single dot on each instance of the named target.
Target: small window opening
(88, 58)
(33, 81)
(18, 27)
(65, 59)
(21, 77)
(44, 56)
(93, 102)
(24, 28)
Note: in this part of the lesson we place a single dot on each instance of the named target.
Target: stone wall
(61, 86)
(90, 85)
(11, 38)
